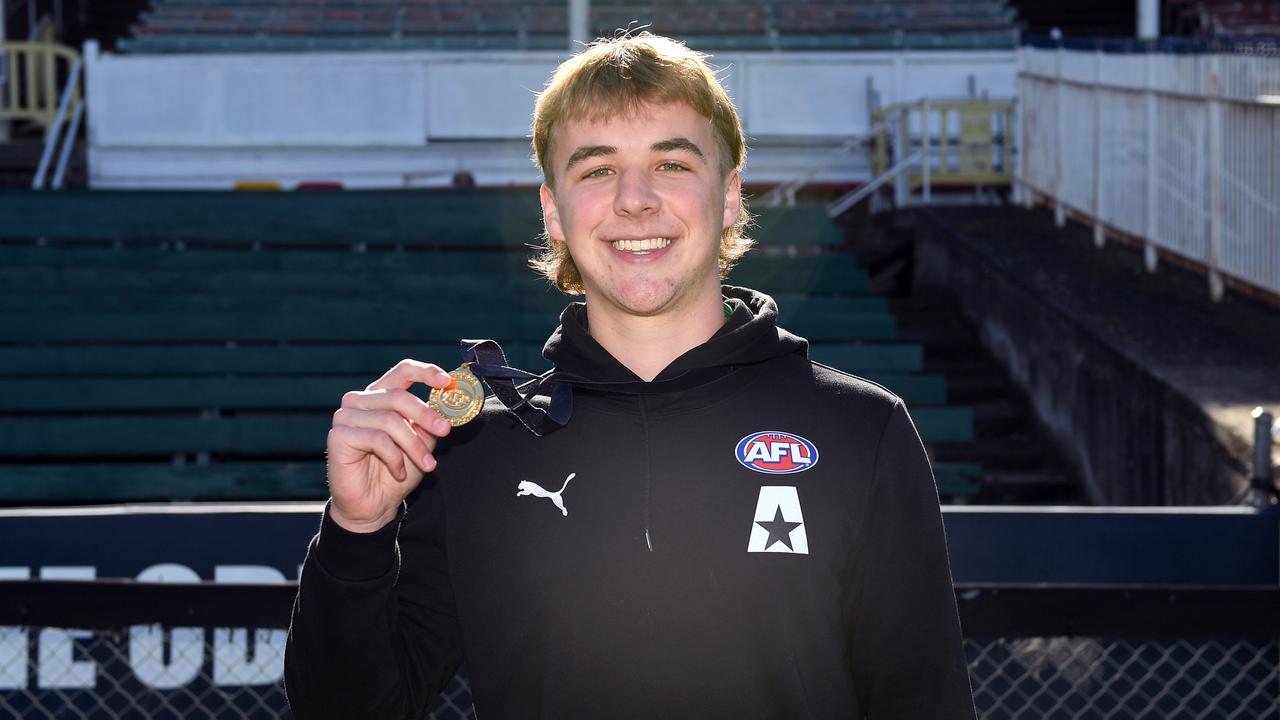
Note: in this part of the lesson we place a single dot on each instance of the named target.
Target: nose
(636, 195)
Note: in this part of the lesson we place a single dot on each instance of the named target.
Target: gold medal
(459, 402)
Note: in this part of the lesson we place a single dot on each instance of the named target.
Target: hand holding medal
(383, 438)
(460, 401)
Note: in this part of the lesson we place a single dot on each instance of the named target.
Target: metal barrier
(29, 91)
(1086, 677)
(1044, 652)
(917, 145)
(964, 142)
(920, 144)
(1179, 151)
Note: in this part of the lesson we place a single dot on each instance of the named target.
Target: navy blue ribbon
(489, 363)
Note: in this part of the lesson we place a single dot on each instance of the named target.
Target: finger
(410, 406)
(407, 372)
(370, 441)
(416, 444)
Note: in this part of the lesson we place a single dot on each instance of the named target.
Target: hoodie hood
(749, 335)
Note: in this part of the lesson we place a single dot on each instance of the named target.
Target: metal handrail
(64, 158)
(32, 81)
(70, 94)
(894, 173)
(785, 193)
(895, 118)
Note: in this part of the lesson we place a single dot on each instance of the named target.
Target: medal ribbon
(489, 363)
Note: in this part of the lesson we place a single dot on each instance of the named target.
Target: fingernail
(401, 474)
(441, 427)
(428, 463)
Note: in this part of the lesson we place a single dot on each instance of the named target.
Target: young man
(722, 529)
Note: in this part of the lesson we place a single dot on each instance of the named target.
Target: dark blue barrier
(1169, 596)
(1128, 546)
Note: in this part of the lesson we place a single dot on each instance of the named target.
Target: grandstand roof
(254, 25)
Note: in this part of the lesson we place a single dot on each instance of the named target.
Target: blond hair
(615, 76)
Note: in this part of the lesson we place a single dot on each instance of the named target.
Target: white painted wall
(409, 119)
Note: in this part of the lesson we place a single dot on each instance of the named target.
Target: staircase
(20, 157)
(1007, 460)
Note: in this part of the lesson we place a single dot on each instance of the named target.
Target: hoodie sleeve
(905, 643)
(370, 636)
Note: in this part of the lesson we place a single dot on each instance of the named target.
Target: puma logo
(531, 488)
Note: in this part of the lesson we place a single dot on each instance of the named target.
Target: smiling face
(641, 203)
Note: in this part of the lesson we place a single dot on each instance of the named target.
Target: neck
(648, 344)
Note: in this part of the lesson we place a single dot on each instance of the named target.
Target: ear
(550, 213)
(732, 198)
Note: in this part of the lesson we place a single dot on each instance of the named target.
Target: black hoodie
(750, 535)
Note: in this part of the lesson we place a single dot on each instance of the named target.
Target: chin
(643, 301)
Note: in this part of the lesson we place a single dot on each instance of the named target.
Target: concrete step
(972, 388)
(20, 157)
(1015, 450)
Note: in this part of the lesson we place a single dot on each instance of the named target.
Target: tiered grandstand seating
(195, 345)
(245, 25)
(1079, 18)
(1231, 18)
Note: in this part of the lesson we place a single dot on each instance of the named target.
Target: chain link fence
(1059, 678)
(149, 672)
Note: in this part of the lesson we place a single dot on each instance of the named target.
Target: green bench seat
(958, 479)
(139, 482)
(357, 359)
(391, 274)
(421, 324)
(943, 424)
(105, 394)
(794, 226)
(427, 218)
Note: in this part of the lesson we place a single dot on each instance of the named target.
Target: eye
(670, 165)
(597, 172)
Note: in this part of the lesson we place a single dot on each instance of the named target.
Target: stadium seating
(1231, 18)
(248, 25)
(195, 345)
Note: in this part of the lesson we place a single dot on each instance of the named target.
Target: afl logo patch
(776, 453)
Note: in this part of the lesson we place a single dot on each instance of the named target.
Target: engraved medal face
(460, 402)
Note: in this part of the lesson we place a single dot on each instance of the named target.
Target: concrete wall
(1134, 438)
(410, 119)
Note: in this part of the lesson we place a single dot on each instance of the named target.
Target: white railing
(1181, 152)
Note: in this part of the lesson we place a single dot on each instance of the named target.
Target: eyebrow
(589, 151)
(677, 143)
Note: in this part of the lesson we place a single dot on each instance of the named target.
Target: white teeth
(641, 245)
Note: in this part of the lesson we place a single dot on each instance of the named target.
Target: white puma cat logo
(527, 487)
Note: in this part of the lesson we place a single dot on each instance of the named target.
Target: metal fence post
(1149, 254)
(901, 152)
(925, 150)
(1214, 258)
(1016, 191)
(1099, 234)
(5, 71)
(1262, 487)
(1024, 157)
(1059, 212)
